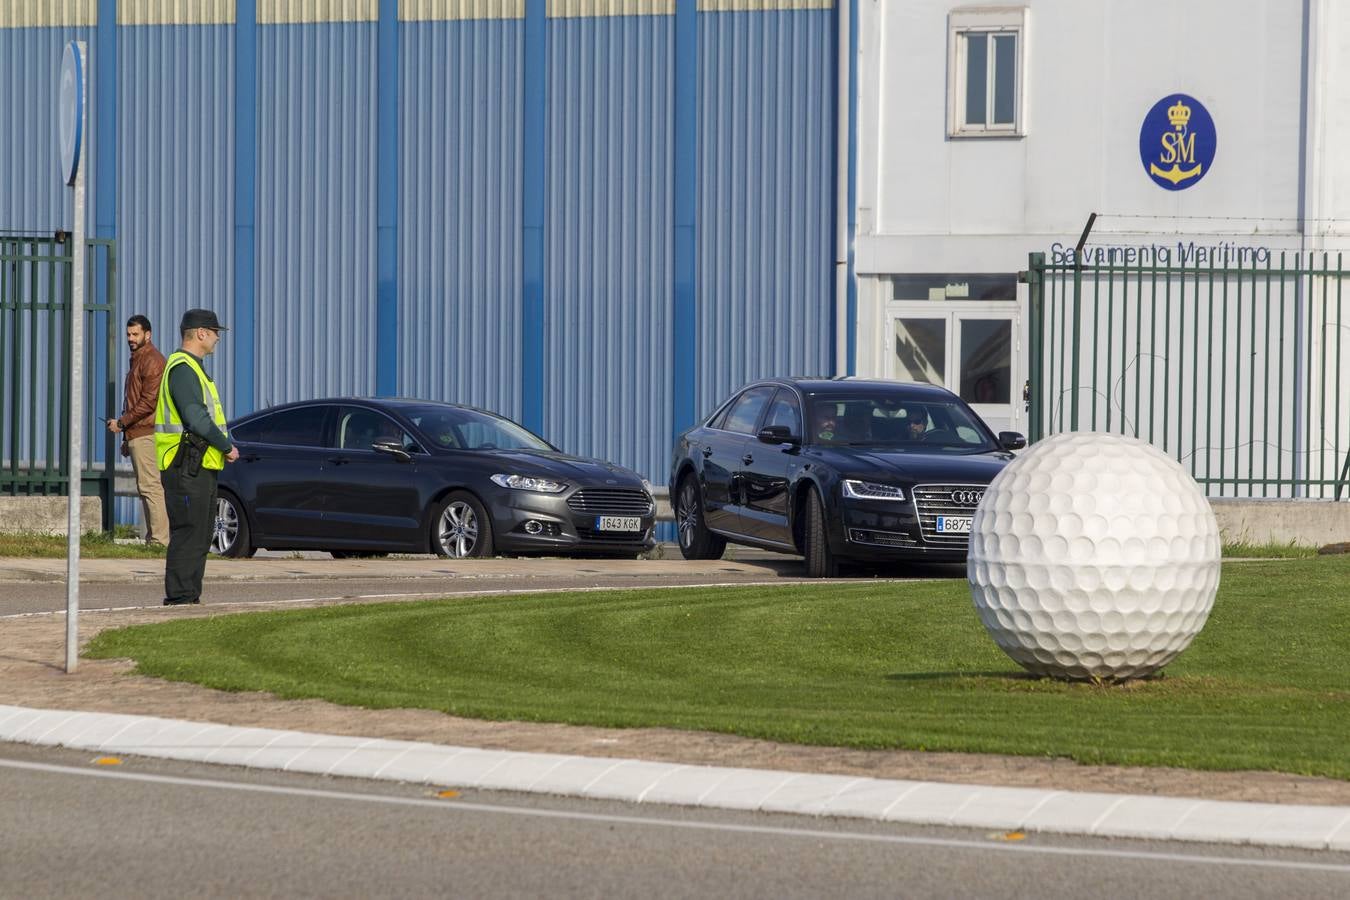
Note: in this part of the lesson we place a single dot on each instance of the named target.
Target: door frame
(954, 313)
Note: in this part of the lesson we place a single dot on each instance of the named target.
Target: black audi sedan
(836, 470)
(368, 477)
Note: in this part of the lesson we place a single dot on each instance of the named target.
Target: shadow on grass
(1005, 675)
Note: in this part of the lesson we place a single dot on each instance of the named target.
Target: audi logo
(967, 498)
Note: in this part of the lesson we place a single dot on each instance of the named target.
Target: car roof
(852, 386)
(393, 403)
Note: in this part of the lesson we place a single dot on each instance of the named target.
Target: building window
(986, 55)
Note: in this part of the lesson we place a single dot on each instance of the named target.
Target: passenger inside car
(825, 424)
(854, 427)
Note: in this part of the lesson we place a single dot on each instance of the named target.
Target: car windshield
(456, 428)
(896, 422)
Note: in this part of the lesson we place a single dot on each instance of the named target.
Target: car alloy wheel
(226, 532)
(687, 516)
(458, 530)
(696, 540)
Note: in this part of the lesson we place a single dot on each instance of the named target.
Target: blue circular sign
(1177, 142)
(71, 111)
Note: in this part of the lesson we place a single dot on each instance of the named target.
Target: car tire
(231, 534)
(460, 528)
(696, 540)
(820, 560)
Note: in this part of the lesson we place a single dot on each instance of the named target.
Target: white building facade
(987, 133)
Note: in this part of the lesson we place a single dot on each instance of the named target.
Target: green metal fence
(1233, 362)
(35, 365)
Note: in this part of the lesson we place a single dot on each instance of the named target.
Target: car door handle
(338, 460)
(747, 459)
(252, 457)
(707, 452)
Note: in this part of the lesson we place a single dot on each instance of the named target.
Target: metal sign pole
(72, 137)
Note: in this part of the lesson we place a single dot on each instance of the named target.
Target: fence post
(1075, 339)
(1344, 476)
(1034, 278)
(110, 452)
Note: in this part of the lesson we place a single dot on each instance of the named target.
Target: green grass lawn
(94, 545)
(1266, 685)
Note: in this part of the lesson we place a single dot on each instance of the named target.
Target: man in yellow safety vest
(192, 445)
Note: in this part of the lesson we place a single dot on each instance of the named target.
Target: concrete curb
(639, 781)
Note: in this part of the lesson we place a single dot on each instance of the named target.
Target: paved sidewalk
(639, 781)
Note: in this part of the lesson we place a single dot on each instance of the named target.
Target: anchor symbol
(1176, 174)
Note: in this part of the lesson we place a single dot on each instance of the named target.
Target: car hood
(575, 469)
(916, 468)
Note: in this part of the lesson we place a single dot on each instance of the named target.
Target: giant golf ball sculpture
(1093, 557)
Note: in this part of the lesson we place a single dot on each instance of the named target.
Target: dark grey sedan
(367, 477)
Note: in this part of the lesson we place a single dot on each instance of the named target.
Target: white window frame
(985, 21)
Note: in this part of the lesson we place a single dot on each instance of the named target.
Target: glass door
(921, 347)
(984, 370)
(970, 349)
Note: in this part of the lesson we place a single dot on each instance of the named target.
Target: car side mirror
(392, 448)
(778, 434)
(1011, 440)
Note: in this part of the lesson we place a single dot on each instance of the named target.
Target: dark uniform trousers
(191, 502)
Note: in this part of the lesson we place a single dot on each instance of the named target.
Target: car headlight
(870, 490)
(646, 486)
(530, 483)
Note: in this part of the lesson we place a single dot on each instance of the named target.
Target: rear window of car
(301, 427)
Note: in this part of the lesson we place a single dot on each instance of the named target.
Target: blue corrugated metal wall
(460, 212)
(766, 197)
(175, 179)
(315, 211)
(33, 198)
(607, 299)
(606, 213)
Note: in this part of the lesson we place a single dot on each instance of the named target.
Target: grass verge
(1264, 686)
(1268, 551)
(94, 545)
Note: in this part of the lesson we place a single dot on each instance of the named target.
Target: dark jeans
(191, 503)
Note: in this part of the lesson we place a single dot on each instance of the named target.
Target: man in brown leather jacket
(137, 426)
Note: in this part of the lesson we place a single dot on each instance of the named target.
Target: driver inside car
(441, 430)
(916, 422)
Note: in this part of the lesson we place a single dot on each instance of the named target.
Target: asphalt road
(157, 828)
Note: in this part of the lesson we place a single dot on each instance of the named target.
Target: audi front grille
(611, 502)
(933, 500)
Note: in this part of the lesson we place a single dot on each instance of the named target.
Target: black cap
(200, 318)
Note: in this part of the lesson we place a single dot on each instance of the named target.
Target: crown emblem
(1179, 115)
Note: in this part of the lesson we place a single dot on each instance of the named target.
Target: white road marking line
(777, 831)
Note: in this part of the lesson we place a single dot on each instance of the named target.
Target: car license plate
(618, 523)
(953, 525)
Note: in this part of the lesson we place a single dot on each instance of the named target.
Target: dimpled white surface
(1093, 556)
